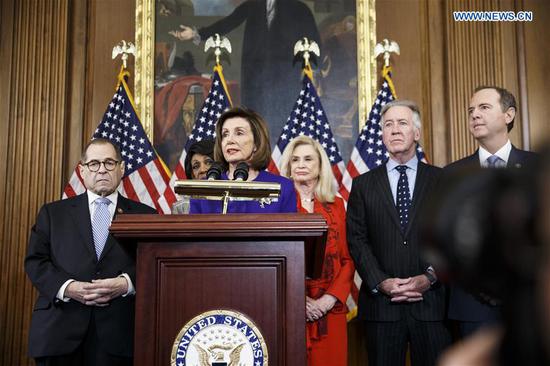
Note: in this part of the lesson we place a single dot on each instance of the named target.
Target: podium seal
(219, 338)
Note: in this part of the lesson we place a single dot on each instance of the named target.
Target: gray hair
(101, 141)
(404, 103)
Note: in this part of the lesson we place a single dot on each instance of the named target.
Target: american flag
(216, 102)
(369, 151)
(309, 118)
(145, 176)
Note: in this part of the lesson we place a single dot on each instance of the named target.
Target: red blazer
(338, 268)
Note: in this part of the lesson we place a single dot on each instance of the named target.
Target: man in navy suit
(491, 116)
(400, 299)
(84, 314)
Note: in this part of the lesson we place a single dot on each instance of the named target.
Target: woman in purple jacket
(242, 136)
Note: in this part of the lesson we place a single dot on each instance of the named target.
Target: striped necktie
(493, 161)
(100, 224)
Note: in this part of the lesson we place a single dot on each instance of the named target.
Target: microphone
(215, 171)
(241, 172)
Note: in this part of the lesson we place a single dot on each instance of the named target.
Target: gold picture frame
(145, 45)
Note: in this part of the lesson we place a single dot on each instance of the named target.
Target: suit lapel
(474, 159)
(384, 188)
(514, 160)
(83, 223)
(419, 190)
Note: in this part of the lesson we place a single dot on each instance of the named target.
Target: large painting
(173, 73)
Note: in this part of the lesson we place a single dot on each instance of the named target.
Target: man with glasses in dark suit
(84, 314)
(400, 299)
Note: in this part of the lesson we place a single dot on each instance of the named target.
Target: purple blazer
(286, 202)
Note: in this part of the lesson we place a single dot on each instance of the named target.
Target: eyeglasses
(94, 165)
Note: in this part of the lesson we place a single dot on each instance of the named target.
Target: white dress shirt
(503, 153)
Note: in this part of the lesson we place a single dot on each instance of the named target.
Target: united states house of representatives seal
(219, 338)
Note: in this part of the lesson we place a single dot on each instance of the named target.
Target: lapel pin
(119, 210)
(518, 165)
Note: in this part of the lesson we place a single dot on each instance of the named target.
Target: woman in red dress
(306, 163)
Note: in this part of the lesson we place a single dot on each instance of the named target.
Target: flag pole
(386, 73)
(123, 49)
(386, 48)
(219, 44)
(307, 47)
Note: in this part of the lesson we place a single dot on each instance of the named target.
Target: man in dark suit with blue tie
(400, 299)
(491, 116)
(84, 314)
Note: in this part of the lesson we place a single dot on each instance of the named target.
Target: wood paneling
(57, 77)
(100, 25)
(471, 51)
(35, 62)
(436, 111)
(478, 53)
(537, 58)
(103, 71)
(417, 27)
(76, 91)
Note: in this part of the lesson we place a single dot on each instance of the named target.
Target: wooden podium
(249, 263)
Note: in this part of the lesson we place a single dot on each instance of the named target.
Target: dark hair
(204, 147)
(101, 141)
(262, 156)
(507, 100)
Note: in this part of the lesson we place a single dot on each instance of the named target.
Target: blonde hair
(325, 190)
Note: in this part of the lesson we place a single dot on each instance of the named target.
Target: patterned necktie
(403, 196)
(492, 161)
(101, 223)
(270, 11)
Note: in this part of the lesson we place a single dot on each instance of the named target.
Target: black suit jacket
(380, 249)
(61, 248)
(464, 306)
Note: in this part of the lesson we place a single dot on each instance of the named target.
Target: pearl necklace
(307, 199)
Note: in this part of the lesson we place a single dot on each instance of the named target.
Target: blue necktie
(100, 224)
(403, 196)
(492, 161)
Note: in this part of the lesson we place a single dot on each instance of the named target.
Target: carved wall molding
(477, 53)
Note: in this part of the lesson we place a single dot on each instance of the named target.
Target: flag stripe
(128, 189)
(309, 118)
(145, 175)
(216, 102)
